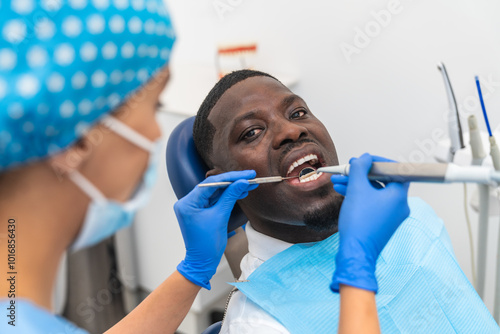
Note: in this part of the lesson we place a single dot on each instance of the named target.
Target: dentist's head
(79, 88)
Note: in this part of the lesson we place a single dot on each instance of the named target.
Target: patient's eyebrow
(248, 115)
(284, 104)
(289, 100)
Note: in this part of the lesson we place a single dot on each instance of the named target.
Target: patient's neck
(292, 233)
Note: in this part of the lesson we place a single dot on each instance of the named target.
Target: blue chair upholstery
(213, 329)
(186, 168)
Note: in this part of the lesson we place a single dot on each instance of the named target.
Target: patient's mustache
(293, 145)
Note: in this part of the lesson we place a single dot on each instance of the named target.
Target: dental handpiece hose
(422, 172)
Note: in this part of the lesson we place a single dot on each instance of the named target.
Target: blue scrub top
(29, 318)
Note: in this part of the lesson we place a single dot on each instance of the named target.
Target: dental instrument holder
(454, 126)
(494, 153)
(495, 157)
(476, 144)
(485, 202)
(446, 151)
(478, 156)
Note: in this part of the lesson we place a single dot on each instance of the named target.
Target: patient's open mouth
(305, 168)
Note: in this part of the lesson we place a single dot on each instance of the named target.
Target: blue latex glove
(203, 215)
(367, 220)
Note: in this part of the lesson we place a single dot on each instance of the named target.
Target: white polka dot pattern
(88, 52)
(55, 83)
(51, 5)
(100, 4)
(23, 7)
(117, 24)
(109, 50)
(37, 57)
(8, 59)
(14, 31)
(3, 88)
(65, 63)
(78, 4)
(44, 28)
(28, 86)
(15, 110)
(78, 80)
(135, 25)
(72, 26)
(95, 24)
(64, 54)
(67, 109)
(84, 107)
(98, 79)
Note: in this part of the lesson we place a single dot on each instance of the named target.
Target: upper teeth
(311, 157)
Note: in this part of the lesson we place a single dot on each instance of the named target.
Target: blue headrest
(186, 168)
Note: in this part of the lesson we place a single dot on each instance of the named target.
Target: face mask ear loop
(86, 186)
(128, 133)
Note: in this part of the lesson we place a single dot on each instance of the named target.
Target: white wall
(387, 99)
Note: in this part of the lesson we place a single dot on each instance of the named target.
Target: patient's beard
(326, 218)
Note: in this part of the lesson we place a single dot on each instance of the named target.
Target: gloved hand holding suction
(203, 215)
(368, 218)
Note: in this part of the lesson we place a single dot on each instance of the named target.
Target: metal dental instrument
(258, 180)
(422, 172)
(454, 127)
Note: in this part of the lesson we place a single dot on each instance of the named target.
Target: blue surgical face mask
(104, 216)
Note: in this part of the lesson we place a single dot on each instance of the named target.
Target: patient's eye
(297, 113)
(251, 133)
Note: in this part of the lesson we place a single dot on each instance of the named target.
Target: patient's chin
(326, 218)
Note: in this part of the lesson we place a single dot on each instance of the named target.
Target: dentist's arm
(368, 218)
(358, 311)
(203, 215)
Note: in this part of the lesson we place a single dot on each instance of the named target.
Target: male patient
(249, 120)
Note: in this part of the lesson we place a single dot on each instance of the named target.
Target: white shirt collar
(263, 246)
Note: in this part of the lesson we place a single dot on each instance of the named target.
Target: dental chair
(185, 170)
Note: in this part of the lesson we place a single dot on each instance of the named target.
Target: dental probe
(258, 180)
(422, 172)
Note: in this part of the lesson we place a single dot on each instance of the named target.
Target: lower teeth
(310, 177)
(307, 174)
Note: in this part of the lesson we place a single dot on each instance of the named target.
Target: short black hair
(203, 130)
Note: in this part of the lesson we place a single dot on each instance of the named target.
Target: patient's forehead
(258, 92)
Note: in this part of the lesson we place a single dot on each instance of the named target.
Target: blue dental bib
(421, 286)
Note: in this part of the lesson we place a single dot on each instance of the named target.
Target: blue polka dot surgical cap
(66, 63)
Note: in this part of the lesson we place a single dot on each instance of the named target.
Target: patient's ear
(213, 171)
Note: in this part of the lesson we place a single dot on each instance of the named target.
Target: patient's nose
(287, 132)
